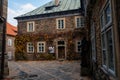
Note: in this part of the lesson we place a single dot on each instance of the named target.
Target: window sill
(108, 72)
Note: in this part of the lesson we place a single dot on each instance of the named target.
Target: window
(41, 47)
(79, 22)
(61, 23)
(110, 50)
(79, 46)
(9, 42)
(30, 26)
(30, 47)
(107, 40)
(104, 50)
(107, 14)
(102, 21)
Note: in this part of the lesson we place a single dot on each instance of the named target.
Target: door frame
(57, 53)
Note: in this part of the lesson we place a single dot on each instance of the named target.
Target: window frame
(28, 51)
(28, 27)
(104, 29)
(44, 45)
(82, 20)
(78, 45)
(57, 23)
(10, 43)
(93, 41)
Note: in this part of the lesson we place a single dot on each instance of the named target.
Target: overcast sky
(18, 7)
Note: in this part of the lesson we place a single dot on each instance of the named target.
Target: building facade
(3, 56)
(104, 33)
(10, 38)
(55, 28)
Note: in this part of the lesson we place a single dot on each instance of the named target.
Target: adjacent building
(11, 32)
(103, 22)
(54, 28)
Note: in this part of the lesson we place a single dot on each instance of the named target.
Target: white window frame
(104, 29)
(81, 20)
(9, 42)
(39, 51)
(28, 27)
(57, 23)
(28, 51)
(78, 45)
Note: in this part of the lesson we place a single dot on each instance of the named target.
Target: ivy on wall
(22, 39)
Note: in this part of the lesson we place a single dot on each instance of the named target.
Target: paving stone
(44, 70)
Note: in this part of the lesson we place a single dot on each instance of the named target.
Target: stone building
(3, 17)
(11, 32)
(103, 22)
(55, 28)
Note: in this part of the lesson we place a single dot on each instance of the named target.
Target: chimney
(56, 2)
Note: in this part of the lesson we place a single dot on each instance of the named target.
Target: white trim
(9, 42)
(57, 53)
(28, 48)
(41, 42)
(63, 23)
(33, 26)
(81, 18)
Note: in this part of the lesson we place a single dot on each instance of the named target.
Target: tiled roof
(11, 30)
(64, 5)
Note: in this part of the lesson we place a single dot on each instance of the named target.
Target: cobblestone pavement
(45, 70)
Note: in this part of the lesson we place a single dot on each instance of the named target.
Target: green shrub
(46, 56)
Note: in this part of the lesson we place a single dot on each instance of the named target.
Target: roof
(64, 5)
(11, 30)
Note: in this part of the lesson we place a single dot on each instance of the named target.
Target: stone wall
(10, 49)
(3, 14)
(49, 26)
(100, 72)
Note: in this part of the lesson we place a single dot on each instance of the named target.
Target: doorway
(61, 50)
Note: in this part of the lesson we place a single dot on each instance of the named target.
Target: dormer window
(49, 8)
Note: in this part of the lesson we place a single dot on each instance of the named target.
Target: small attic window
(49, 8)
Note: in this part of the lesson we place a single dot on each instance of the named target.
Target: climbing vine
(22, 39)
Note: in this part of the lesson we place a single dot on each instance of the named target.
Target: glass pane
(102, 21)
(104, 57)
(107, 14)
(61, 42)
(104, 50)
(82, 22)
(110, 50)
(103, 41)
(30, 26)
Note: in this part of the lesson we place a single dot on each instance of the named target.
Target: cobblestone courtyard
(45, 70)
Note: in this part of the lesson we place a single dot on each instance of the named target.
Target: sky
(19, 7)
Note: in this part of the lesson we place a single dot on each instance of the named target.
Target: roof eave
(80, 11)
